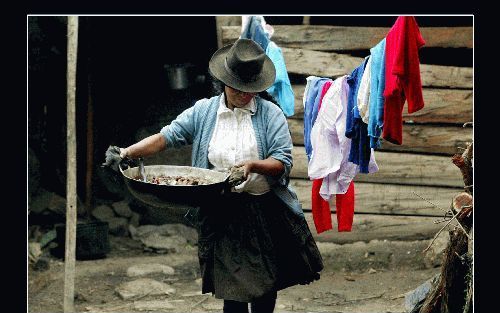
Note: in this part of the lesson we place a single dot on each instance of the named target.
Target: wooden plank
(387, 198)
(447, 106)
(70, 241)
(367, 227)
(341, 38)
(397, 168)
(226, 21)
(431, 139)
(330, 64)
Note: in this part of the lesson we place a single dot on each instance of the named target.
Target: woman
(254, 240)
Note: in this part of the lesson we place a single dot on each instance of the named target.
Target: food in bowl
(175, 180)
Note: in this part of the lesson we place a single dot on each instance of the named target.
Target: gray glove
(113, 158)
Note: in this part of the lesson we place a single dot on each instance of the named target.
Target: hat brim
(262, 82)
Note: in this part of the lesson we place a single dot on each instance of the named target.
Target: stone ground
(358, 277)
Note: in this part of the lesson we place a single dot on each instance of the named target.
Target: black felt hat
(243, 66)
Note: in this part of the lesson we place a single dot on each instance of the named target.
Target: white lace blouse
(233, 141)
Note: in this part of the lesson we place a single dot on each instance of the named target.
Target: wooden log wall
(419, 168)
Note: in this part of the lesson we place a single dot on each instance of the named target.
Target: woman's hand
(239, 173)
(246, 167)
(113, 158)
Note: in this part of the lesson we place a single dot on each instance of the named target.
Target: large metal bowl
(162, 195)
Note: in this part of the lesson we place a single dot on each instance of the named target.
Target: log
(445, 140)
(396, 168)
(464, 163)
(446, 106)
(448, 296)
(226, 21)
(333, 65)
(367, 227)
(386, 198)
(342, 38)
(461, 201)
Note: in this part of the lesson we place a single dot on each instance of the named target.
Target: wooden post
(90, 135)
(306, 20)
(70, 244)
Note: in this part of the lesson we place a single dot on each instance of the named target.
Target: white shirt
(363, 99)
(233, 141)
(330, 153)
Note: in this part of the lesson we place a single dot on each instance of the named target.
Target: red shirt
(402, 76)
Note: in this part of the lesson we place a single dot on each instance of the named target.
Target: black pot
(92, 240)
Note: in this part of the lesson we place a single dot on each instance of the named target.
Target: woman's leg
(264, 304)
(231, 306)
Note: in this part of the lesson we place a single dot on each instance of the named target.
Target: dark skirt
(249, 246)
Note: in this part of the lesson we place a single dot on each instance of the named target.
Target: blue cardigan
(196, 124)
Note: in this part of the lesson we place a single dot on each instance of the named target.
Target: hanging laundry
(360, 152)
(363, 99)
(254, 27)
(320, 207)
(330, 146)
(281, 90)
(254, 30)
(314, 86)
(377, 85)
(402, 76)
(330, 163)
(245, 21)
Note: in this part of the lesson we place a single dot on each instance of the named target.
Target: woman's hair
(218, 88)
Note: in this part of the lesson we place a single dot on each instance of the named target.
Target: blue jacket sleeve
(279, 142)
(180, 131)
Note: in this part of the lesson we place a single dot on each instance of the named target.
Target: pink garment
(402, 76)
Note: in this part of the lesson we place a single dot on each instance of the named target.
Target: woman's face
(236, 98)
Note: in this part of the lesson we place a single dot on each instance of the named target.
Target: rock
(145, 269)
(169, 243)
(103, 213)
(40, 202)
(41, 265)
(118, 226)
(153, 305)
(434, 256)
(47, 238)
(122, 208)
(189, 233)
(135, 219)
(371, 271)
(414, 299)
(46, 200)
(142, 287)
(34, 252)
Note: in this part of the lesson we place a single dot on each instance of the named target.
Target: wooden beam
(447, 106)
(387, 198)
(342, 38)
(330, 64)
(70, 242)
(430, 139)
(397, 168)
(367, 227)
(227, 21)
